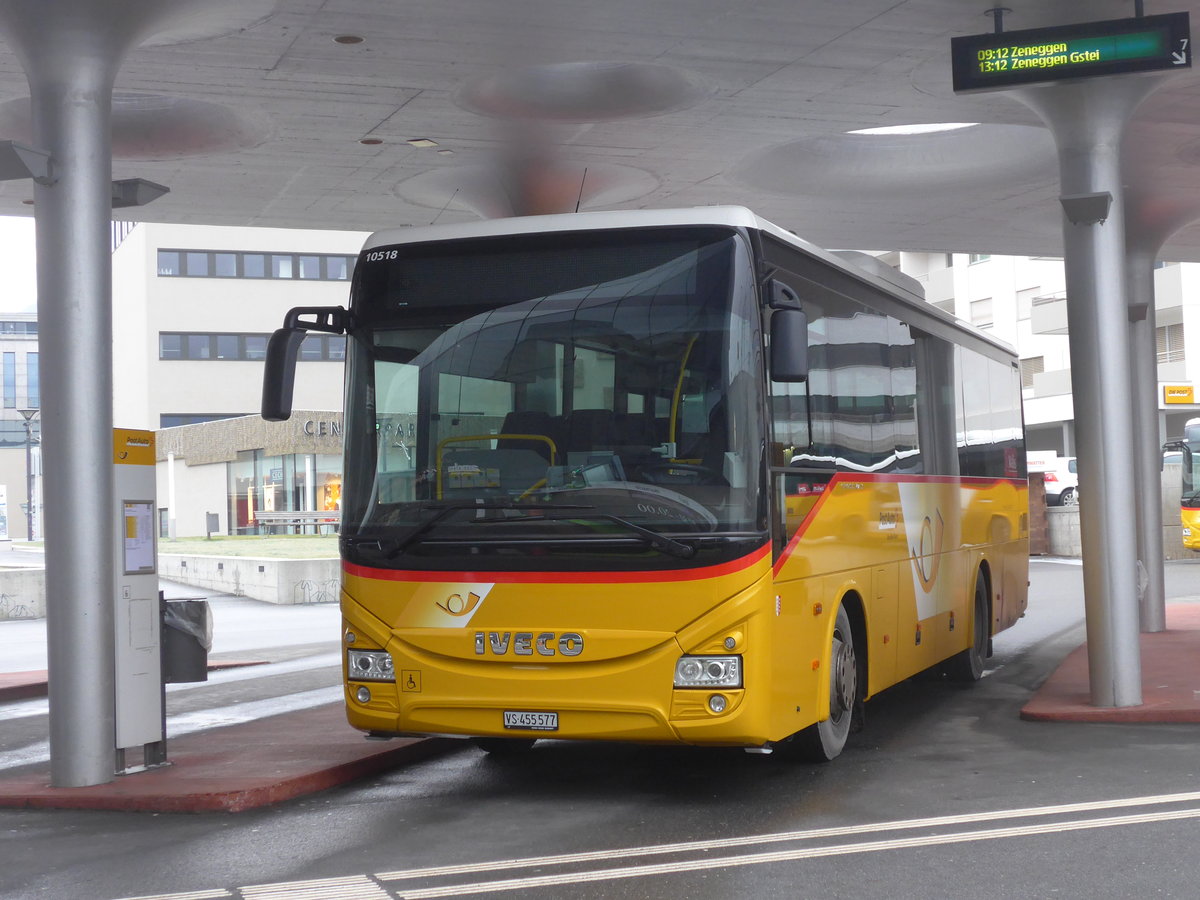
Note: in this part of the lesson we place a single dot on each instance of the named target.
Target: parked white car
(1062, 482)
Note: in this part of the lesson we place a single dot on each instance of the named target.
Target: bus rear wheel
(968, 664)
(825, 740)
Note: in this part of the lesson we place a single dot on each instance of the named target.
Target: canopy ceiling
(268, 113)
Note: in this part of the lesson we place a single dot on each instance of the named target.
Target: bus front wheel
(825, 740)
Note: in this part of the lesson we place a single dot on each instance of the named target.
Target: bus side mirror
(283, 349)
(789, 345)
(279, 375)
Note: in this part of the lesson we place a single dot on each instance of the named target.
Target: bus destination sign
(989, 62)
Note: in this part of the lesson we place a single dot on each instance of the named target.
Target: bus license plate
(531, 721)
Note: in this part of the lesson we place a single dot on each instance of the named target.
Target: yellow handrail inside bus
(677, 397)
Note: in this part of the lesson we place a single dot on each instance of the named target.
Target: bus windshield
(538, 405)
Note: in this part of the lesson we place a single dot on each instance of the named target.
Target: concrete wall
(198, 490)
(283, 581)
(22, 594)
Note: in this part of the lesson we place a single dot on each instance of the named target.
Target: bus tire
(967, 665)
(504, 746)
(825, 740)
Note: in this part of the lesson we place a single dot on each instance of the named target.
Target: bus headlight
(708, 672)
(370, 665)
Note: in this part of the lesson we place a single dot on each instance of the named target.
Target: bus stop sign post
(137, 618)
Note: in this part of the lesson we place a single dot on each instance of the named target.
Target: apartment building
(1023, 300)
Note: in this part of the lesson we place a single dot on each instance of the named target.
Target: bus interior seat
(531, 421)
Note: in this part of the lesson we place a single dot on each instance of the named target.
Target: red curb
(236, 768)
(22, 685)
(1170, 680)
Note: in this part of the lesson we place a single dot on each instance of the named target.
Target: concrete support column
(71, 50)
(1088, 119)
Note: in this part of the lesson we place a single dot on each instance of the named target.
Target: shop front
(258, 477)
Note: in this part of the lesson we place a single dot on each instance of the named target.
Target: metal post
(30, 503)
(1147, 443)
(1088, 121)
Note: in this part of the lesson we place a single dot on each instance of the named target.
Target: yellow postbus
(659, 476)
(1189, 506)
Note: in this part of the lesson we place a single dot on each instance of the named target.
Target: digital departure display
(989, 62)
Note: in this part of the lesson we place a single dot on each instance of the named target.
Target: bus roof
(731, 216)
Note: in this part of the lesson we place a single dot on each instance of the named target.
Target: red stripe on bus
(728, 568)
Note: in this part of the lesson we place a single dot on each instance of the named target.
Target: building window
(229, 347)
(233, 264)
(310, 268)
(225, 347)
(337, 268)
(1167, 338)
(196, 264)
(1035, 365)
(973, 258)
(18, 328)
(198, 346)
(10, 381)
(168, 262)
(225, 265)
(981, 312)
(254, 265)
(170, 346)
(33, 387)
(256, 346)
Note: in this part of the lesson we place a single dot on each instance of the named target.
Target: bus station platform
(241, 767)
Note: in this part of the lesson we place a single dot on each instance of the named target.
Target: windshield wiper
(396, 546)
(657, 541)
(392, 547)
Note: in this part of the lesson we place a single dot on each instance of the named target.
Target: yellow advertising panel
(1179, 393)
(133, 447)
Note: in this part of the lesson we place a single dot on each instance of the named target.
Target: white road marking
(24, 709)
(201, 720)
(779, 837)
(366, 887)
(354, 887)
(726, 862)
(190, 895)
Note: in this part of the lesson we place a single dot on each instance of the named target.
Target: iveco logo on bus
(528, 643)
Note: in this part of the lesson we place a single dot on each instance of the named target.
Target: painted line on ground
(24, 709)
(726, 862)
(783, 836)
(372, 887)
(200, 720)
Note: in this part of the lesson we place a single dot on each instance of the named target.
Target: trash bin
(186, 640)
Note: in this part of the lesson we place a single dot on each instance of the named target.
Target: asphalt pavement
(272, 749)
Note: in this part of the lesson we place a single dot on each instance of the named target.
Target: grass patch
(276, 546)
